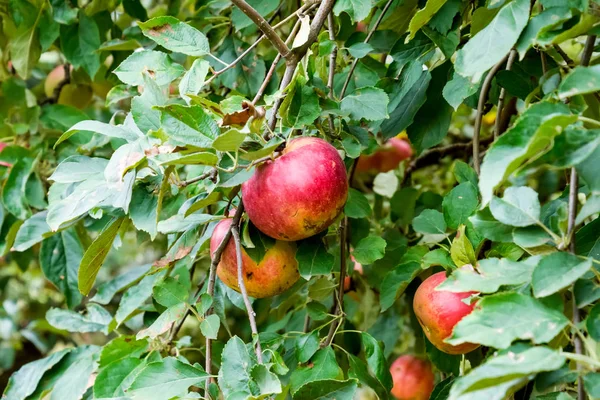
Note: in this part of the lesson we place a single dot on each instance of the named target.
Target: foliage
(127, 128)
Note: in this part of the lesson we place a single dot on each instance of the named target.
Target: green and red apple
(412, 377)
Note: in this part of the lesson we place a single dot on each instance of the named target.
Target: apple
(412, 377)
(4, 163)
(386, 158)
(348, 279)
(55, 76)
(274, 274)
(439, 311)
(298, 194)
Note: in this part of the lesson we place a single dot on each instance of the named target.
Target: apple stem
(240, 275)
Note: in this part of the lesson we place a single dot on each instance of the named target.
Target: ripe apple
(55, 76)
(298, 194)
(348, 279)
(439, 311)
(413, 378)
(274, 274)
(386, 158)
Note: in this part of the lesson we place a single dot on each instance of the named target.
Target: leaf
(60, 257)
(395, 282)
(13, 191)
(367, 103)
(229, 141)
(460, 204)
(236, 363)
(164, 322)
(545, 21)
(112, 131)
(581, 80)
(264, 7)
(356, 9)
(462, 251)
(357, 205)
(327, 390)
(385, 184)
(442, 389)
(323, 366)
(464, 173)
(176, 36)
(358, 370)
(210, 326)
(80, 42)
(369, 250)
(499, 374)
(313, 258)
(376, 360)
(501, 319)
(116, 377)
(430, 222)
(156, 63)
(193, 80)
(179, 223)
(529, 137)
(458, 89)
(491, 275)
(78, 168)
(490, 228)
(23, 382)
(188, 125)
(73, 383)
(592, 322)
(169, 292)
(591, 382)
(165, 379)
(307, 345)
(557, 271)
(96, 319)
(360, 49)
(423, 16)
(95, 254)
(489, 45)
(134, 297)
(201, 158)
(519, 207)
(411, 52)
(33, 231)
(120, 348)
(301, 105)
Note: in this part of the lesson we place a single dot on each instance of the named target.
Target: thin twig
(240, 275)
(369, 35)
(212, 173)
(264, 26)
(339, 308)
(512, 56)
(485, 88)
(306, 323)
(570, 63)
(332, 60)
(573, 191)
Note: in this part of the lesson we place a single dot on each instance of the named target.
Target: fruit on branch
(348, 279)
(71, 93)
(386, 158)
(275, 271)
(439, 311)
(54, 78)
(412, 377)
(298, 194)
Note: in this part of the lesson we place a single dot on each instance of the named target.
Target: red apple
(413, 378)
(55, 76)
(439, 311)
(298, 194)
(274, 274)
(348, 279)
(387, 157)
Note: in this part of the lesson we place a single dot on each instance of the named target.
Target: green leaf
(367, 103)
(592, 322)
(73, 383)
(439, 257)
(176, 36)
(157, 63)
(460, 204)
(323, 366)
(385, 184)
(60, 257)
(442, 389)
(236, 362)
(122, 347)
(25, 49)
(458, 89)
(493, 42)
(134, 297)
(519, 207)
(23, 382)
(165, 379)
(179, 223)
(95, 254)
(229, 141)
(395, 282)
(34, 230)
(462, 251)
(264, 7)
(193, 80)
(143, 210)
(591, 382)
(267, 381)
(557, 271)
(586, 292)
(357, 205)
(360, 49)
(164, 322)
(113, 380)
(490, 228)
(545, 21)
(301, 105)
(423, 16)
(188, 125)
(358, 370)
(80, 43)
(169, 292)
(528, 138)
(201, 158)
(146, 117)
(112, 131)
(356, 9)
(430, 222)
(13, 191)
(96, 319)
(581, 80)
(78, 168)
(491, 275)
(210, 326)
(369, 250)
(376, 360)
(464, 173)
(307, 345)
(313, 258)
(499, 320)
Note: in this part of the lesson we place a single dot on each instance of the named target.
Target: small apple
(412, 377)
(298, 194)
(55, 76)
(386, 158)
(274, 274)
(348, 279)
(439, 311)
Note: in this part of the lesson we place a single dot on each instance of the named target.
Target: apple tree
(319, 199)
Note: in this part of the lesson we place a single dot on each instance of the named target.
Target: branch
(332, 59)
(212, 174)
(511, 59)
(240, 275)
(264, 26)
(573, 191)
(570, 63)
(369, 35)
(339, 308)
(485, 88)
